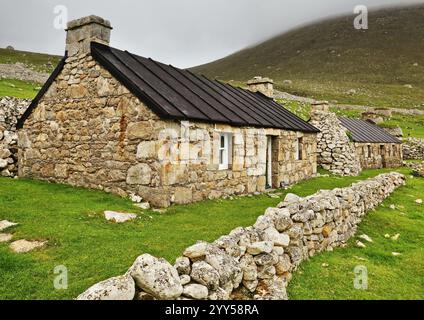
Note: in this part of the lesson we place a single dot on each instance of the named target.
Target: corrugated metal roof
(367, 132)
(179, 94)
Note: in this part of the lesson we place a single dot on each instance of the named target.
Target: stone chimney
(262, 85)
(372, 117)
(322, 106)
(81, 32)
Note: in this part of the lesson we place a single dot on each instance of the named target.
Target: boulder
(119, 217)
(203, 273)
(289, 199)
(24, 246)
(182, 264)
(3, 163)
(278, 239)
(4, 224)
(283, 223)
(266, 259)
(196, 291)
(5, 237)
(143, 205)
(250, 285)
(185, 279)
(228, 268)
(283, 265)
(157, 277)
(196, 251)
(117, 288)
(260, 247)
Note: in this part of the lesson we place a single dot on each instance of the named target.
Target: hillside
(40, 62)
(22, 73)
(381, 66)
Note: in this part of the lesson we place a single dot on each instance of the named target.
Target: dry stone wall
(335, 151)
(22, 72)
(11, 109)
(413, 149)
(255, 262)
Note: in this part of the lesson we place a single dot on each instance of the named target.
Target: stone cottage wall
(413, 149)
(382, 155)
(89, 130)
(335, 151)
(255, 262)
(11, 109)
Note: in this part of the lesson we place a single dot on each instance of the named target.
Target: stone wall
(22, 72)
(413, 149)
(335, 151)
(376, 156)
(90, 131)
(254, 262)
(11, 110)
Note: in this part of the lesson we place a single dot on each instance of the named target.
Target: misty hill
(381, 66)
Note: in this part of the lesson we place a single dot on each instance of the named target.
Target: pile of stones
(413, 149)
(255, 262)
(336, 152)
(11, 109)
(418, 171)
(22, 72)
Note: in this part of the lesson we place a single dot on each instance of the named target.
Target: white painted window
(298, 149)
(224, 151)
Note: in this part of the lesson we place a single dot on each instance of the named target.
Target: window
(299, 149)
(382, 149)
(369, 151)
(224, 151)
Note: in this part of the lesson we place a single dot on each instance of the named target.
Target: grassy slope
(19, 89)
(37, 61)
(93, 249)
(327, 59)
(389, 277)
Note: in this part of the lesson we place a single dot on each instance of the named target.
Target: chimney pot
(81, 32)
(262, 85)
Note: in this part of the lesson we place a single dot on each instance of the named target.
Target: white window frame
(298, 149)
(224, 159)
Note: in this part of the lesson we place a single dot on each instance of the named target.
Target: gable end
(42, 92)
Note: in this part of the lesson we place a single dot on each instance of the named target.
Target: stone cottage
(115, 121)
(345, 146)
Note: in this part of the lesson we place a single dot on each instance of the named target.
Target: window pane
(222, 141)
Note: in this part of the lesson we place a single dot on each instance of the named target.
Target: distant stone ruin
(11, 109)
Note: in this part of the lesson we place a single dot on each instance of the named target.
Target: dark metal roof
(367, 132)
(174, 93)
(41, 93)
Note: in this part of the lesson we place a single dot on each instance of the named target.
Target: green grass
(18, 88)
(93, 249)
(36, 61)
(328, 59)
(412, 126)
(389, 277)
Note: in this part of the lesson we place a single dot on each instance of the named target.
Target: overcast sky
(182, 32)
